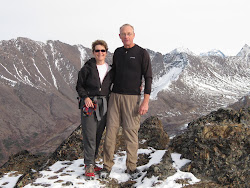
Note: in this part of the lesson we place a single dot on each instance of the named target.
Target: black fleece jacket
(89, 84)
(129, 66)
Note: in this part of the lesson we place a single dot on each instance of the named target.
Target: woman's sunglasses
(100, 50)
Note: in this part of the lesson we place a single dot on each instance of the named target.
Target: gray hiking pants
(92, 131)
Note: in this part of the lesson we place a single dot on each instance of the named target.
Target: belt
(104, 106)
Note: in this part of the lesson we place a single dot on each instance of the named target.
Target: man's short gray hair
(126, 25)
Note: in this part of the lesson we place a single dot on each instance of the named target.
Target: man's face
(127, 36)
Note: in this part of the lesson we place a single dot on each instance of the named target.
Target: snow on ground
(9, 180)
(70, 173)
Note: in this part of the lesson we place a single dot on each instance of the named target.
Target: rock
(24, 162)
(218, 145)
(70, 149)
(151, 134)
(164, 169)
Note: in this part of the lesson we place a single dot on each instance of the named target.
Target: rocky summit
(71, 149)
(217, 145)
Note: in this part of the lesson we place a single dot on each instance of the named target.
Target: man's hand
(143, 109)
(89, 103)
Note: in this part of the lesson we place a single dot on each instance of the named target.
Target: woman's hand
(88, 103)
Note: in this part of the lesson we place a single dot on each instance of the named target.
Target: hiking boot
(133, 173)
(97, 168)
(90, 171)
(104, 173)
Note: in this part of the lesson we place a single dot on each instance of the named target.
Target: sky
(160, 25)
(72, 171)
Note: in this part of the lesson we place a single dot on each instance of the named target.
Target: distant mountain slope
(189, 86)
(38, 99)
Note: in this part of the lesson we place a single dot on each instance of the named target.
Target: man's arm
(147, 72)
(143, 109)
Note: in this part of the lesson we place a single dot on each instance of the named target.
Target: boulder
(151, 134)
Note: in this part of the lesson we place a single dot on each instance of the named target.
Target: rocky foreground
(217, 145)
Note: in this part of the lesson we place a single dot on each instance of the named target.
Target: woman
(93, 87)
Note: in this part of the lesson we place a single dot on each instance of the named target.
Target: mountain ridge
(203, 84)
(38, 98)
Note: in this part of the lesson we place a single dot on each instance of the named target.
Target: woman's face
(100, 53)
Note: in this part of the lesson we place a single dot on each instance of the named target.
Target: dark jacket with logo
(89, 84)
(129, 66)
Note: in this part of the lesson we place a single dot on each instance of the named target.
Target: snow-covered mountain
(38, 106)
(188, 86)
(182, 50)
(213, 52)
(244, 52)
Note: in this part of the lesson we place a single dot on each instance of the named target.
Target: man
(130, 64)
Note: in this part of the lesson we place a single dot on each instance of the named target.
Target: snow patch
(83, 54)
(12, 83)
(71, 172)
(163, 82)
